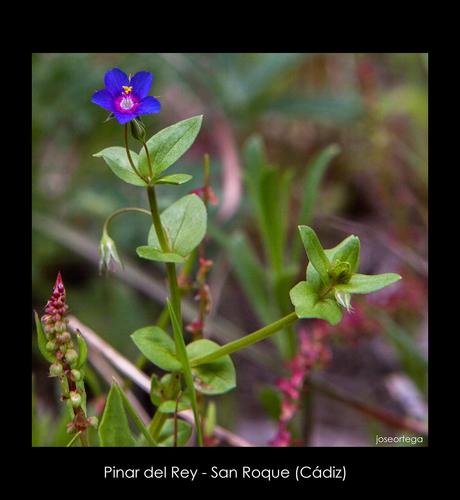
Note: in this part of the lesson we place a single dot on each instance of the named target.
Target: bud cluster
(66, 365)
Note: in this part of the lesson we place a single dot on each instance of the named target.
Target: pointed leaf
(185, 225)
(41, 340)
(216, 377)
(168, 145)
(151, 253)
(315, 253)
(117, 159)
(364, 283)
(158, 347)
(347, 250)
(114, 427)
(135, 417)
(308, 304)
(173, 179)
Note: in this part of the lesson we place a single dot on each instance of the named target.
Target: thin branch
(140, 379)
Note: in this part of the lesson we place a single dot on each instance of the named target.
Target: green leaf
(249, 271)
(188, 374)
(152, 253)
(185, 225)
(136, 419)
(212, 378)
(41, 338)
(170, 406)
(364, 283)
(168, 145)
(158, 347)
(271, 401)
(308, 304)
(155, 390)
(114, 427)
(315, 253)
(316, 170)
(82, 350)
(174, 179)
(166, 436)
(117, 159)
(347, 250)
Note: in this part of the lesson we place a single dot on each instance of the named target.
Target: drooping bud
(56, 370)
(75, 399)
(107, 253)
(344, 299)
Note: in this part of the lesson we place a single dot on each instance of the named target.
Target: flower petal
(114, 81)
(141, 83)
(124, 117)
(103, 99)
(148, 105)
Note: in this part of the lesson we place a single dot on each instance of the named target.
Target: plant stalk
(247, 340)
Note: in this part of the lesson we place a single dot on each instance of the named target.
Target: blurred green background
(282, 110)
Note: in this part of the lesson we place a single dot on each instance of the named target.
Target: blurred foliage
(288, 115)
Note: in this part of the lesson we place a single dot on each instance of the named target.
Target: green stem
(121, 211)
(128, 152)
(247, 340)
(188, 376)
(148, 159)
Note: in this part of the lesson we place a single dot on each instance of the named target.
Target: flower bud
(138, 130)
(76, 375)
(63, 338)
(56, 370)
(75, 399)
(341, 272)
(51, 346)
(71, 356)
(108, 253)
(343, 298)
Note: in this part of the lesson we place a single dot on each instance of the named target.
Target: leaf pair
(332, 278)
(164, 148)
(158, 347)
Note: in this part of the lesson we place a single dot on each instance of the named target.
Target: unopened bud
(51, 346)
(56, 370)
(63, 338)
(75, 399)
(138, 130)
(71, 356)
(76, 375)
(344, 299)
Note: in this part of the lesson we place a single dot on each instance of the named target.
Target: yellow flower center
(127, 89)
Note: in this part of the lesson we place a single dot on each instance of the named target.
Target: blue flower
(127, 97)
